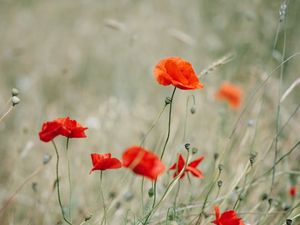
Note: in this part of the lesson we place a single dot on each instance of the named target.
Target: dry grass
(93, 60)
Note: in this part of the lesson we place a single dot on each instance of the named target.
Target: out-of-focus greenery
(93, 60)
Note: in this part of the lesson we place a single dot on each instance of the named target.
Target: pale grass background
(93, 60)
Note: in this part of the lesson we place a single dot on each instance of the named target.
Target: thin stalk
(278, 109)
(58, 186)
(5, 114)
(69, 179)
(167, 191)
(165, 145)
(206, 197)
(102, 198)
(169, 125)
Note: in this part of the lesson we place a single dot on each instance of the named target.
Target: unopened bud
(216, 156)
(220, 183)
(221, 167)
(150, 192)
(46, 158)
(15, 100)
(187, 146)
(168, 100)
(193, 110)
(14, 92)
(194, 150)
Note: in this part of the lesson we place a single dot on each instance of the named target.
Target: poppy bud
(34, 186)
(220, 167)
(150, 192)
(187, 146)
(264, 196)
(193, 110)
(46, 158)
(15, 100)
(168, 100)
(128, 196)
(250, 123)
(220, 183)
(216, 156)
(194, 150)
(270, 201)
(14, 92)
(288, 222)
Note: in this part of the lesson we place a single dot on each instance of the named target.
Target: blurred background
(93, 61)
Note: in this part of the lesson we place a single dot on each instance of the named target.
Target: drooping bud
(15, 100)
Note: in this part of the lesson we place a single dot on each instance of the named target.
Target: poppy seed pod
(168, 100)
(15, 100)
(187, 146)
(14, 92)
(193, 110)
(150, 192)
(289, 222)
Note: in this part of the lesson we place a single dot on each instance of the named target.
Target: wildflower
(71, 128)
(104, 162)
(62, 126)
(143, 162)
(191, 167)
(292, 191)
(227, 218)
(230, 93)
(178, 72)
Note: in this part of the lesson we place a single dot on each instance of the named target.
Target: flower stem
(102, 198)
(69, 179)
(165, 145)
(169, 125)
(58, 186)
(167, 191)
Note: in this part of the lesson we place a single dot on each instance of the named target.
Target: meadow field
(94, 61)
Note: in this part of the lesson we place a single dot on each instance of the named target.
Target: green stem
(167, 191)
(58, 186)
(69, 179)
(165, 145)
(169, 126)
(102, 198)
(206, 198)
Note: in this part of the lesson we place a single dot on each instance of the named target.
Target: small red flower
(227, 218)
(143, 162)
(230, 93)
(104, 162)
(178, 72)
(191, 167)
(293, 191)
(49, 131)
(71, 128)
(61, 126)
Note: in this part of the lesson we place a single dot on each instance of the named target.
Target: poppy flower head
(292, 191)
(230, 93)
(104, 162)
(143, 162)
(191, 167)
(62, 126)
(71, 128)
(227, 218)
(49, 131)
(178, 72)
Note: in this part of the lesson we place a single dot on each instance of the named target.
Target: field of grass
(93, 60)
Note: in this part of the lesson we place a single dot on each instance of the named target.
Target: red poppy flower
(71, 128)
(143, 162)
(191, 167)
(230, 93)
(293, 191)
(178, 72)
(49, 131)
(227, 218)
(104, 162)
(61, 126)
